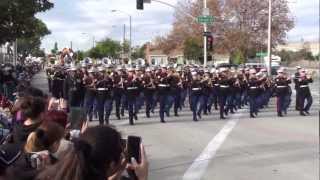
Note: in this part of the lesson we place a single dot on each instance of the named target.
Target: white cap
(223, 69)
(280, 70)
(252, 71)
(263, 70)
(91, 70)
(213, 70)
(194, 73)
(298, 67)
(101, 69)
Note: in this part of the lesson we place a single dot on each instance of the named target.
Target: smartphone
(36, 159)
(133, 150)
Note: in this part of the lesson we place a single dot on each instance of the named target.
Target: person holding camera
(38, 152)
(98, 154)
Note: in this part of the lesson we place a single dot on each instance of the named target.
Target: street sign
(207, 33)
(205, 19)
(262, 54)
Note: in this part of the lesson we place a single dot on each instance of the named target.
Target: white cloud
(306, 15)
(69, 19)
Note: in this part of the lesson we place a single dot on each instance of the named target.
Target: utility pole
(15, 52)
(205, 56)
(130, 43)
(269, 37)
(93, 41)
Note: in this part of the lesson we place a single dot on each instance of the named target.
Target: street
(242, 148)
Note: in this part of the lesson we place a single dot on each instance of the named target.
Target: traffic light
(140, 4)
(210, 43)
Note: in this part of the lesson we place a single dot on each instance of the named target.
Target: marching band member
(149, 90)
(253, 90)
(163, 90)
(195, 95)
(90, 95)
(132, 85)
(224, 91)
(104, 87)
(304, 93)
(282, 92)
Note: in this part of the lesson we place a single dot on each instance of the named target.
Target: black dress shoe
(280, 114)
(222, 117)
(135, 117)
(162, 121)
(199, 115)
(252, 116)
(302, 113)
(307, 112)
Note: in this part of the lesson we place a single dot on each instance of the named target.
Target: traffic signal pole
(205, 56)
(269, 38)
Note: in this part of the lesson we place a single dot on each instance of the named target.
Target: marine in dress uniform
(304, 93)
(196, 97)
(132, 85)
(296, 78)
(282, 92)
(90, 94)
(163, 90)
(224, 91)
(149, 91)
(253, 92)
(104, 87)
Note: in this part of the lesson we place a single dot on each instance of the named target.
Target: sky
(81, 21)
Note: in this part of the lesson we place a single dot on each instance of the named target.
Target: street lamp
(93, 38)
(130, 21)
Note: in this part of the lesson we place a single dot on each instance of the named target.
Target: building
(157, 57)
(6, 53)
(297, 46)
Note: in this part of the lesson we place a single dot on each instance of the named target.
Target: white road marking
(199, 165)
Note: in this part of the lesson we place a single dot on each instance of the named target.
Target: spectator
(46, 137)
(61, 118)
(38, 152)
(96, 155)
(32, 109)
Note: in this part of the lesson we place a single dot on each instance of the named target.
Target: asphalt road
(264, 148)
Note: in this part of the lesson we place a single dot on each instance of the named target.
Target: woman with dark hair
(38, 152)
(96, 155)
(31, 109)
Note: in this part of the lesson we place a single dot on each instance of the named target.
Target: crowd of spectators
(40, 145)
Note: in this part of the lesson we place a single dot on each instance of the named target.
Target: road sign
(207, 33)
(205, 19)
(262, 54)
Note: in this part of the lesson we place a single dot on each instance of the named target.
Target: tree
(32, 44)
(192, 49)
(238, 58)
(18, 19)
(139, 52)
(80, 55)
(240, 25)
(55, 48)
(106, 48)
(126, 46)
